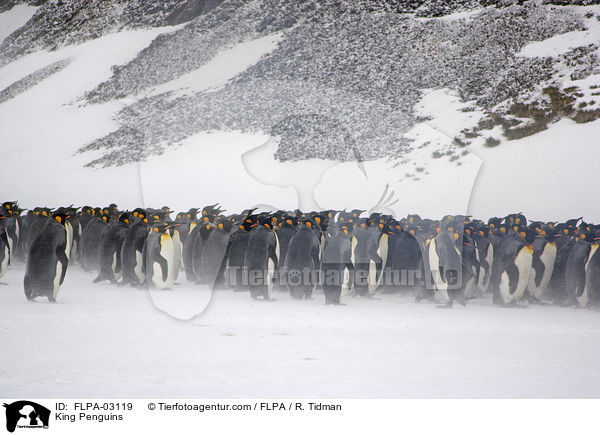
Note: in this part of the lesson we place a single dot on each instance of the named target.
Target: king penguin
(47, 260)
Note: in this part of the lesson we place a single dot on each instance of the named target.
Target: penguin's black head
(573, 222)
(247, 224)
(516, 219)
(288, 221)
(306, 222)
(60, 217)
(414, 219)
(362, 223)
(564, 230)
(139, 213)
(502, 229)
(321, 220)
(160, 227)
(585, 234)
(494, 222)
(224, 224)
(125, 218)
(210, 212)
(356, 213)
(481, 232)
(266, 221)
(156, 216)
(192, 214)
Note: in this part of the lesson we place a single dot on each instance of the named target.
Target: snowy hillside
(488, 109)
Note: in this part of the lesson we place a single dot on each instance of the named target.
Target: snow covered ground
(103, 341)
(14, 18)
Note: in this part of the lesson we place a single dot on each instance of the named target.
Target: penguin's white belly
(523, 263)
(584, 298)
(56, 281)
(69, 239)
(117, 274)
(548, 257)
(167, 251)
(137, 269)
(382, 251)
(4, 265)
(441, 287)
(270, 275)
(505, 287)
(490, 259)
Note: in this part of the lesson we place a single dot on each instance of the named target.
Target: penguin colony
(338, 253)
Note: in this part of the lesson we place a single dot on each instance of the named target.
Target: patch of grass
(561, 102)
(526, 130)
(583, 116)
(459, 142)
(522, 110)
(491, 142)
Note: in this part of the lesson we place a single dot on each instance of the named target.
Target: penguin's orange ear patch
(522, 234)
(455, 236)
(59, 219)
(220, 226)
(582, 237)
(155, 229)
(126, 221)
(289, 221)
